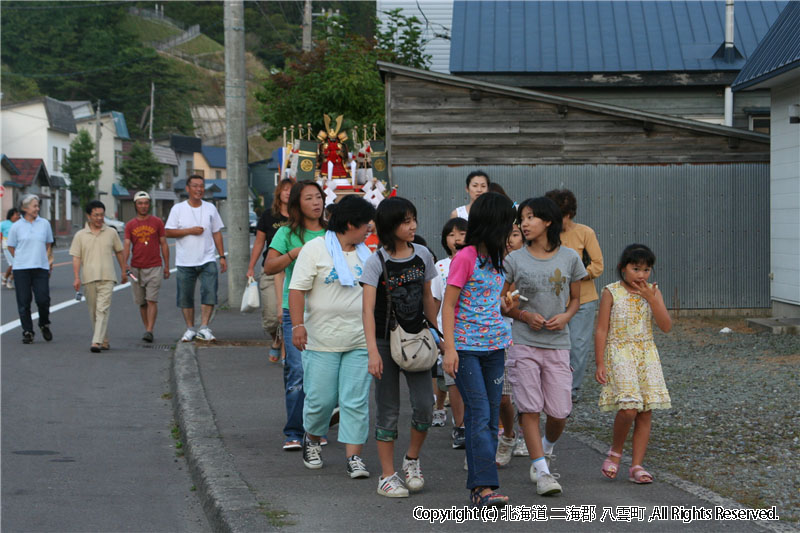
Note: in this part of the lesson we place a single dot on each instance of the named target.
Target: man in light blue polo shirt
(29, 241)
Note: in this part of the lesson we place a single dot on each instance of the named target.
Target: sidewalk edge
(686, 486)
(229, 504)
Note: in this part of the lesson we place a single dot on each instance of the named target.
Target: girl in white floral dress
(627, 360)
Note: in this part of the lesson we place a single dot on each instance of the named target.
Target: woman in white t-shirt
(477, 184)
(325, 307)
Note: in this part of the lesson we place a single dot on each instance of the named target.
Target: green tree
(141, 171)
(338, 76)
(82, 169)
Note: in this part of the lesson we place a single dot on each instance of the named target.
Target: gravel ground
(734, 426)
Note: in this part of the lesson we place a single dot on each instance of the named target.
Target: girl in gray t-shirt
(547, 276)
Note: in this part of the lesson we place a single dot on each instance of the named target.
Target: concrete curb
(227, 500)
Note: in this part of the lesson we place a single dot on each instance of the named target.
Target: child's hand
(600, 374)
(535, 321)
(557, 323)
(375, 364)
(450, 362)
(645, 290)
(509, 301)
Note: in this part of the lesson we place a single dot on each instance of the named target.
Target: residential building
(210, 163)
(435, 17)
(666, 57)
(775, 66)
(42, 129)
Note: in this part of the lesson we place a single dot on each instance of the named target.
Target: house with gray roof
(775, 66)
(666, 57)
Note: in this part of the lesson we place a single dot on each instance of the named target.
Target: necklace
(194, 215)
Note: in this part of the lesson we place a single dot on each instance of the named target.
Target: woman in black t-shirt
(271, 287)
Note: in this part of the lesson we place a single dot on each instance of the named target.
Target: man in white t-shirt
(196, 226)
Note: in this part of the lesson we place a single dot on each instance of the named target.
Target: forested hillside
(101, 51)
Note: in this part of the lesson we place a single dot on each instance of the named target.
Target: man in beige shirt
(92, 250)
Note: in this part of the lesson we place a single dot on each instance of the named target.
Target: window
(117, 160)
(189, 165)
(760, 123)
(56, 166)
(63, 155)
(219, 174)
(199, 172)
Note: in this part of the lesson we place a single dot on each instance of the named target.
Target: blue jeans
(480, 381)
(581, 337)
(37, 282)
(187, 279)
(292, 383)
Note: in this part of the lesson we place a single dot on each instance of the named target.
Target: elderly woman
(583, 240)
(331, 333)
(29, 242)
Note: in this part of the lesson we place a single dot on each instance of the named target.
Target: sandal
(490, 499)
(274, 354)
(610, 468)
(639, 475)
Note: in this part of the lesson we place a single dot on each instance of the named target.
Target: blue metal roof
(120, 125)
(119, 190)
(608, 36)
(215, 155)
(778, 51)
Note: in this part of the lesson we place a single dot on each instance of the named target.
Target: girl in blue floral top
(476, 336)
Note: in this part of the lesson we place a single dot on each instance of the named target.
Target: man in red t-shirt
(147, 235)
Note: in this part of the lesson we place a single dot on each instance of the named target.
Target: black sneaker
(312, 453)
(27, 337)
(459, 438)
(46, 333)
(356, 467)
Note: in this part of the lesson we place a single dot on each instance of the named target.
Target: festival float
(329, 161)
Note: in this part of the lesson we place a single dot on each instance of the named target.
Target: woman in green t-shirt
(306, 206)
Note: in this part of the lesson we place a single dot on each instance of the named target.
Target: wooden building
(697, 192)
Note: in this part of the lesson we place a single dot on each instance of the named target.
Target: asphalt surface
(235, 395)
(86, 438)
(87, 444)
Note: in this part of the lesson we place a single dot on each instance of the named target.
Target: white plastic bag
(251, 299)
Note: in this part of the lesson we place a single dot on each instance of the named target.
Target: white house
(435, 17)
(42, 129)
(775, 65)
(113, 131)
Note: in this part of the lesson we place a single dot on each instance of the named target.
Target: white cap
(141, 195)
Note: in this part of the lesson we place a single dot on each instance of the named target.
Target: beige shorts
(146, 289)
(270, 319)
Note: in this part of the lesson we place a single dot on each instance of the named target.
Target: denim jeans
(32, 283)
(480, 381)
(581, 337)
(292, 383)
(187, 280)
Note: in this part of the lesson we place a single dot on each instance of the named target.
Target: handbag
(251, 298)
(413, 352)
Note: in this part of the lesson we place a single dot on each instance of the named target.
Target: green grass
(149, 30)
(200, 45)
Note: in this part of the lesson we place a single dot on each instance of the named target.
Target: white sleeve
(216, 221)
(174, 218)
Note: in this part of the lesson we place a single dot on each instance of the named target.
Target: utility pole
(307, 26)
(152, 100)
(236, 141)
(98, 132)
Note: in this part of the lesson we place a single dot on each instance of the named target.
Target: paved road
(86, 438)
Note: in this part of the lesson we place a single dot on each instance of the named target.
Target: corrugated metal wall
(708, 224)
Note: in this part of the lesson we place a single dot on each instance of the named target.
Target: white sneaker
(414, 479)
(439, 418)
(548, 459)
(204, 334)
(521, 449)
(188, 335)
(392, 487)
(10, 284)
(504, 447)
(547, 485)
